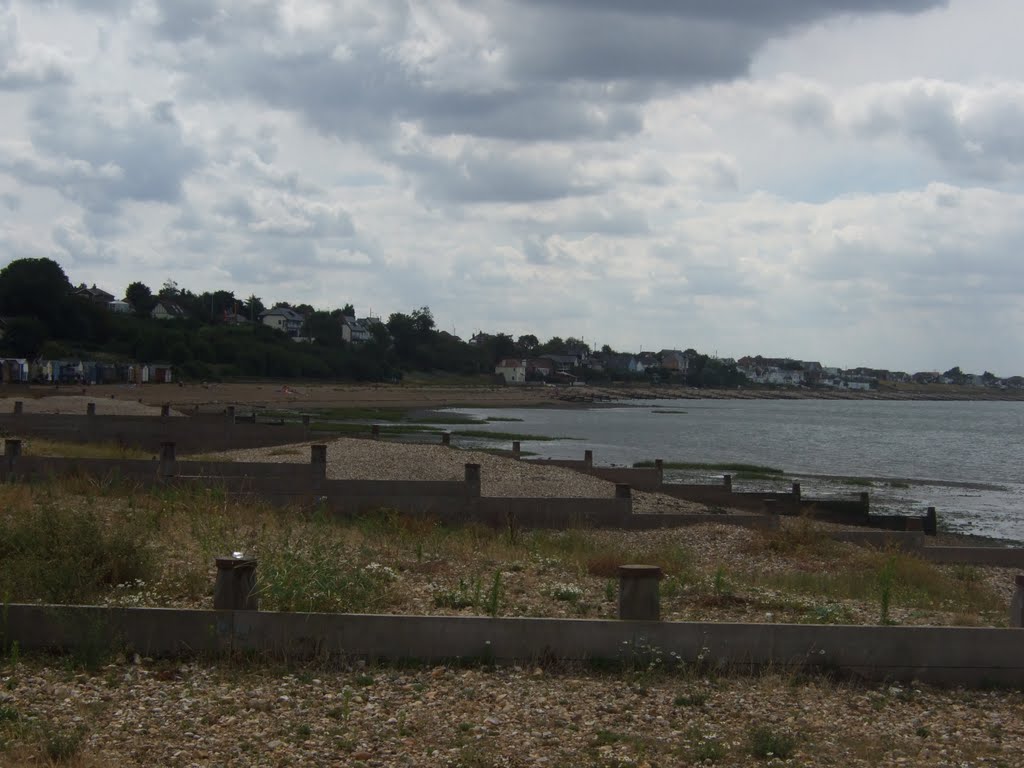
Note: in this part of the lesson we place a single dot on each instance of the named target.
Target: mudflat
(283, 394)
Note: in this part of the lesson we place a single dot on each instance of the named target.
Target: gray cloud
(100, 161)
(977, 131)
(677, 42)
(26, 65)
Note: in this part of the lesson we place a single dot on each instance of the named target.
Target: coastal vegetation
(79, 540)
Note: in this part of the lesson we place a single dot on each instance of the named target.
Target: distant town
(52, 331)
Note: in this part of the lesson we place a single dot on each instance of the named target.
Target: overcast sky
(832, 180)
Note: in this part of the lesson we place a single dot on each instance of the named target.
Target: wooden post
(473, 480)
(235, 588)
(165, 410)
(517, 449)
(168, 460)
(931, 522)
(1017, 602)
(230, 413)
(727, 482)
(375, 431)
(588, 459)
(90, 409)
(768, 506)
(639, 599)
(796, 492)
(19, 407)
(659, 467)
(446, 439)
(623, 491)
(12, 450)
(318, 458)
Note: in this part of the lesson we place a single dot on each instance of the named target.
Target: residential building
(284, 319)
(167, 310)
(674, 360)
(355, 331)
(96, 295)
(512, 370)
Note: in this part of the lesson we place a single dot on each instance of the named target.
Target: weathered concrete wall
(551, 513)
(1005, 557)
(638, 479)
(192, 434)
(967, 656)
(652, 521)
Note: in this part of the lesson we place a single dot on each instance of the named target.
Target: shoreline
(421, 396)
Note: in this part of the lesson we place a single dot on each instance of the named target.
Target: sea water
(964, 458)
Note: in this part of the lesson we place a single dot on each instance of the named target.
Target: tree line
(44, 316)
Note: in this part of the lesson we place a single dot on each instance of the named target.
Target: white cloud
(746, 177)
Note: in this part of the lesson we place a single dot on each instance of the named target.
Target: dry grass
(37, 446)
(392, 563)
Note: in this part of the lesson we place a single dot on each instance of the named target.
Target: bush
(68, 555)
(766, 742)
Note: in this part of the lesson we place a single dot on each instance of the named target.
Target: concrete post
(517, 449)
(588, 459)
(446, 439)
(931, 522)
(235, 588)
(727, 482)
(168, 460)
(18, 407)
(318, 458)
(12, 450)
(165, 410)
(639, 599)
(375, 431)
(90, 409)
(796, 491)
(473, 480)
(659, 467)
(1017, 602)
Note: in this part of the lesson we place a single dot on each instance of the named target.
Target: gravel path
(359, 459)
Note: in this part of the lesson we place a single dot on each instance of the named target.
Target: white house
(284, 319)
(512, 370)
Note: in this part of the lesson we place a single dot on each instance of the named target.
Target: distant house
(358, 331)
(120, 307)
(284, 319)
(617, 363)
(674, 360)
(541, 367)
(643, 361)
(512, 370)
(564, 362)
(167, 310)
(479, 338)
(96, 295)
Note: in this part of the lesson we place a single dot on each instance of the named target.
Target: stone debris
(232, 714)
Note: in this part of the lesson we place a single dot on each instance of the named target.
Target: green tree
(141, 298)
(254, 307)
(35, 288)
(24, 337)
(527, 343)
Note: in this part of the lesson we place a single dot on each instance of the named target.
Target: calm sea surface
(964, 458)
